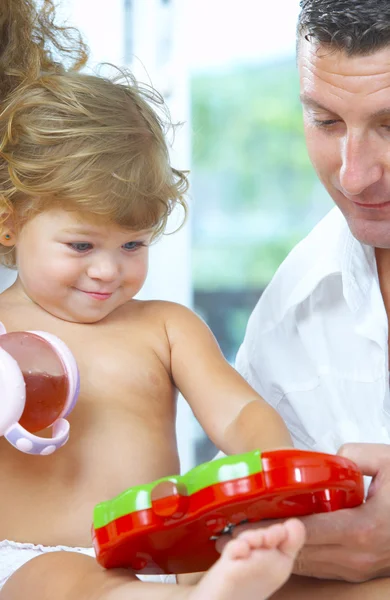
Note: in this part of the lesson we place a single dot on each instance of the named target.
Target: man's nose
(361, 165)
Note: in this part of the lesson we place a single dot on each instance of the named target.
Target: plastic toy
(39, 386)
(170, 525)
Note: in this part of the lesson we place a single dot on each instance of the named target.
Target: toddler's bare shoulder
(152, 312)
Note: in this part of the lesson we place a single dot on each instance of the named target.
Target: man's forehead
(332, 81)
(325, 58)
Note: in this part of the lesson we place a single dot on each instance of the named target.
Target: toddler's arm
(233, 415)
(74, 576)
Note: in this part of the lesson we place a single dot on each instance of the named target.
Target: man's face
(346, 107)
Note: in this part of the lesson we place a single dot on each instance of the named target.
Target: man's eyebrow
(384, 112)
(311, 103)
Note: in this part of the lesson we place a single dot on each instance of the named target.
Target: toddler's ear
(7, 230)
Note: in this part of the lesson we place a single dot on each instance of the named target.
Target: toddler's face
(80, 269)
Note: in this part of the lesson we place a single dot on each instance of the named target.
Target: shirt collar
(339, 253)
(358, 269)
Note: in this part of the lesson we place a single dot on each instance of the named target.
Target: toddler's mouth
(97, 295)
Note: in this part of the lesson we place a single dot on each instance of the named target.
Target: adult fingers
(370, 458)
(338, 562)
(330, 528)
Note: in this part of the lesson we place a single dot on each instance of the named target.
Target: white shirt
(316, 343)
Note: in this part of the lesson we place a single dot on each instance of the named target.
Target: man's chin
(375, 234)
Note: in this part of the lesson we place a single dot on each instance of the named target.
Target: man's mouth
(372, 205)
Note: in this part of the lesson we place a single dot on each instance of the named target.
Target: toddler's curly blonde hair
(81, 142)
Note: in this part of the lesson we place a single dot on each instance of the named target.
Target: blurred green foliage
(255, 193)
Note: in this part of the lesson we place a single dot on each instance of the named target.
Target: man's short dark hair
(357, 27)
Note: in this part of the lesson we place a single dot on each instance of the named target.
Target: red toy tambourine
(170, 526)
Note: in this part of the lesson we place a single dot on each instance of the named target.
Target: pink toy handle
(29, 443)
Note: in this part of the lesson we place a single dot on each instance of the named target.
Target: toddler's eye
(80, 246)
(132, 245)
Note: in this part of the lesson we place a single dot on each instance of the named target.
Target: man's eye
(80, 246)
(132, 245)
(326, 123)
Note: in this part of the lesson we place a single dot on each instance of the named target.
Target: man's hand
(350, 544)
(353, 544)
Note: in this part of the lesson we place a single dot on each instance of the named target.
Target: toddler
(86, 186)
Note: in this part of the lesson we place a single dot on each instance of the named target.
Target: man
(317, 344)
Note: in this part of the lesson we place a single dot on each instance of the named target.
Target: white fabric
(316, 344)
(14, 555)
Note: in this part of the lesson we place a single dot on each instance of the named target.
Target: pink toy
(39, 386)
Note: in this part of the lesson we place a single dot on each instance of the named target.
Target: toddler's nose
(105, 269)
